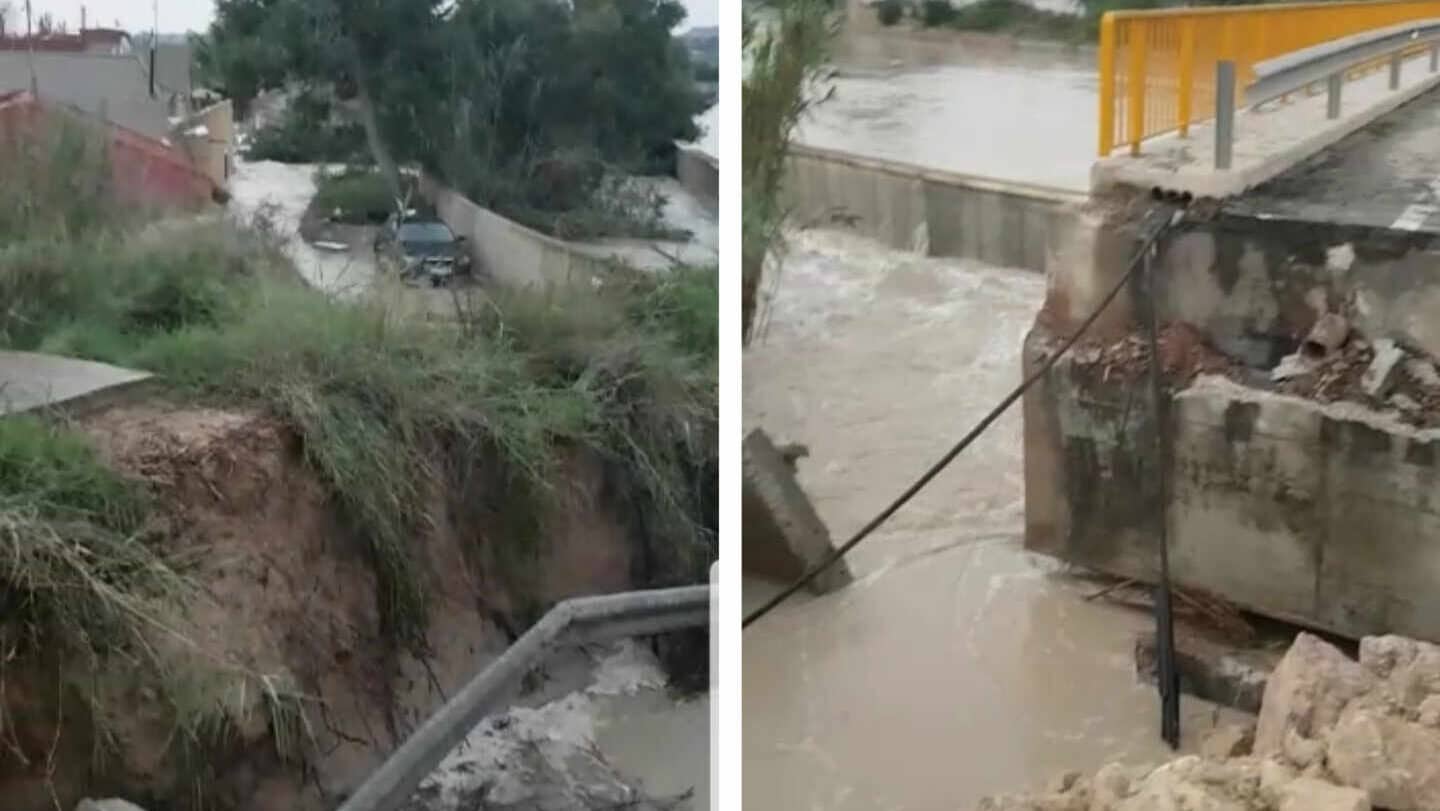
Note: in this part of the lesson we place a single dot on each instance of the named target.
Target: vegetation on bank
(386, 410)
(534, 108)
(786, 76)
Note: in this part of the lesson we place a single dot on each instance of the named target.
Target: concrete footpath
(1270, 139)
(30, 381)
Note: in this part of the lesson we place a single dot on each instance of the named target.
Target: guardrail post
(1135, 87)
(1434, 58)
(1107, 83)
(1333, 83)
(1224, 113)
(1395, 70)
(1186, 86)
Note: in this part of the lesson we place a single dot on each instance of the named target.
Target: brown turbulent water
(957, 665)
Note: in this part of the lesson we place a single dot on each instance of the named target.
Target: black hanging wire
(1156, 222)
(1169, 674)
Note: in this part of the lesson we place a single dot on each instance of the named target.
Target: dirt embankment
(289, 598)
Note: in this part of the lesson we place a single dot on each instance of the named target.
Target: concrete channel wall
(506, 250)
(1324, 514)
(927, 211)
(699, 174)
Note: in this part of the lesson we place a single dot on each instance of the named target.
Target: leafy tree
(516, 100)
(242, 54)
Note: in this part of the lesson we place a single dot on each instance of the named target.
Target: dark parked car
(424, 248)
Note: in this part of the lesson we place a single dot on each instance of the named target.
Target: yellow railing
(1157, 68)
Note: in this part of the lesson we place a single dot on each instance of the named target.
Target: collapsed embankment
(285, 599)
(244, 588)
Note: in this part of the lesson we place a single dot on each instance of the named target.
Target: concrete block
(1210, 669)
(31, 381)
(782, 535)
(1381, 373)
(1310, 794)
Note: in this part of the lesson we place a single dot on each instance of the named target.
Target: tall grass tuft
(384, 405)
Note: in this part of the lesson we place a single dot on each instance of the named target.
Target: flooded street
(1033, 122)
(279, 193)
(957, 665)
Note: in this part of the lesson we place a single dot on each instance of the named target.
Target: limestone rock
(1112, 784)
(1429, 712)
(1410, 668)
(1230, 740)
(1396, 761)
(1307, 692)
(1274, 777)
(1063, 782)
(1192, 783)
(1301, 751)
(1307, 794)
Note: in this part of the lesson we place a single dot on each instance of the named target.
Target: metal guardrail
(584, 619)
(1296, 71)
(1327, 62)
(1158, 68)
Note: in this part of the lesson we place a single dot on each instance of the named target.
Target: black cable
(1167, 673)
(980, 428)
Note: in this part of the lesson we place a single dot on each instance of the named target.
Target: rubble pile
(1334, 363)
(1333, 734)
(1184, 353)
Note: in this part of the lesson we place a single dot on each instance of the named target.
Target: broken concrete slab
(1211, 669)
(1381, 374)
(1309, 794)
(782, 535)
(30, 381)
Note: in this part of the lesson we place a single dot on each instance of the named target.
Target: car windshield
(425, 232)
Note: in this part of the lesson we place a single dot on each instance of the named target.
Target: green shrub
(309, 132)
(890, 12)
(936, 12)
(358, 196)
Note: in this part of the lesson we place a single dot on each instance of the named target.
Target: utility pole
(154, 43)
(30, 52)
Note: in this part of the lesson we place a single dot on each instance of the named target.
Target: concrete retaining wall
(909, 47)
(507, 251)
(1327, 515)
(1256, 286)
(212, 153)
(1323, 514)
(699, 174)
(931, 212)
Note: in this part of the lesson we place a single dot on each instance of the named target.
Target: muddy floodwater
(1033, 122)
(957, 665)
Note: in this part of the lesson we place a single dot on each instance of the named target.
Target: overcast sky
(194, 15)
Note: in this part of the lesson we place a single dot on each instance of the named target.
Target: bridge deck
(1386, 175)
